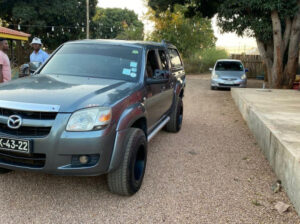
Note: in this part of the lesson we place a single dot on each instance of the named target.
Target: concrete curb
(285, 163)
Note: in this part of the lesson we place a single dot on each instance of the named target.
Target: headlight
(89, 119)
(244, 76)
(214, 76)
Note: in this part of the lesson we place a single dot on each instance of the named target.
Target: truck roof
(143, 44)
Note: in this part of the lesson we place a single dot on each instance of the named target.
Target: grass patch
(256, 203)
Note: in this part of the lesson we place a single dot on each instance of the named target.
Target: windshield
(96, 60)
(229, 66)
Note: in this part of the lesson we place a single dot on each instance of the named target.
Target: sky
(229, 41)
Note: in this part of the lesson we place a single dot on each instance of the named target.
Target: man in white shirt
(38, 55)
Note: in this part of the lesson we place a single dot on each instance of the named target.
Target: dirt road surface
(211, 172)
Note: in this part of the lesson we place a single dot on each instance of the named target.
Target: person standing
(38, 55)
(5, 69)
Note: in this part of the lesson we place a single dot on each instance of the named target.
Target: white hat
(36, 41)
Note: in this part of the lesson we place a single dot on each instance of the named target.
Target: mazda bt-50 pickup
(91, 109)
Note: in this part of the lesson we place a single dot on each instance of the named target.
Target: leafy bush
(210, 56)
(189, 35)
(14, 73)
(192, 64)
(200, 62)
(132, 33)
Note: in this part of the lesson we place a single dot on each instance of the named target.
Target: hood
(230, 74)
(70, 93)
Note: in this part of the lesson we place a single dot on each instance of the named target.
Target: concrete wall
(282, 151)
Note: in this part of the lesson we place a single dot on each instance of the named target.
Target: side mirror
(33, 66)
(152, 81)
(161, 74)
(246, 70)
(159, 77)
(24, 70)
(211, 69)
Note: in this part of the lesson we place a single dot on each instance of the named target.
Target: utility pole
(87, 19)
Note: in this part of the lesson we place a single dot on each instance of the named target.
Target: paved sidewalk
(211, 172)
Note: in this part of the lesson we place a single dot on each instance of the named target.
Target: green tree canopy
(274, 23)
(117, 23)
(205, 8)
(188, 34)
(37, 17)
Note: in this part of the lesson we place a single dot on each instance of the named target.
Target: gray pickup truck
(91, 109)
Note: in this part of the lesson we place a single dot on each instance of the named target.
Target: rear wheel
(176, 118)
(128, 178)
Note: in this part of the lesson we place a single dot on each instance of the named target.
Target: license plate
(229, 82)
(16, 145)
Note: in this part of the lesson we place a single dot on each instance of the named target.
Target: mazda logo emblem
(14, 121)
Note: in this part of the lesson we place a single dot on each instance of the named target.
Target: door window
(152, 63)
(175, 58)
(163, 59)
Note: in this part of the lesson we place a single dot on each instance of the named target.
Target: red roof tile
(13, 32)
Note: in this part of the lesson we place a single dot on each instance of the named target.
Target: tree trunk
(293, 53)
(266, 58)
(282, 74)
(277, 68)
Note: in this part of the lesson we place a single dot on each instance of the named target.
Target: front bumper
(59, 148)
(220, 83)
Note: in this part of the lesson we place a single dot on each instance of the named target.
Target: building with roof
(13, 34)
(17, 54)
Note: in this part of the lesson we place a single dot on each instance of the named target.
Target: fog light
(83, 159)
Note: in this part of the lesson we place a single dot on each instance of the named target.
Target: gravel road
(211, 172)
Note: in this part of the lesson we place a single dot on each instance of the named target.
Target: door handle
(143, 102)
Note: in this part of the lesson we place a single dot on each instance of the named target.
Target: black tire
(175, 123)
(128, 178)
(4, 171)
(212, 88)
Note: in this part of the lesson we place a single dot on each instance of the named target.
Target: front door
(153, 103)
(167, 90)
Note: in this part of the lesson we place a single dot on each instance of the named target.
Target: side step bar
(158, 128)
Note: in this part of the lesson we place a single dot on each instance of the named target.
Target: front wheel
(128, 178)
(175, 123)
(3, 170)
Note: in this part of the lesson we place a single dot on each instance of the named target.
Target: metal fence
(19, 53)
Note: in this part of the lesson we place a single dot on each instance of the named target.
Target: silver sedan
(228, 73)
